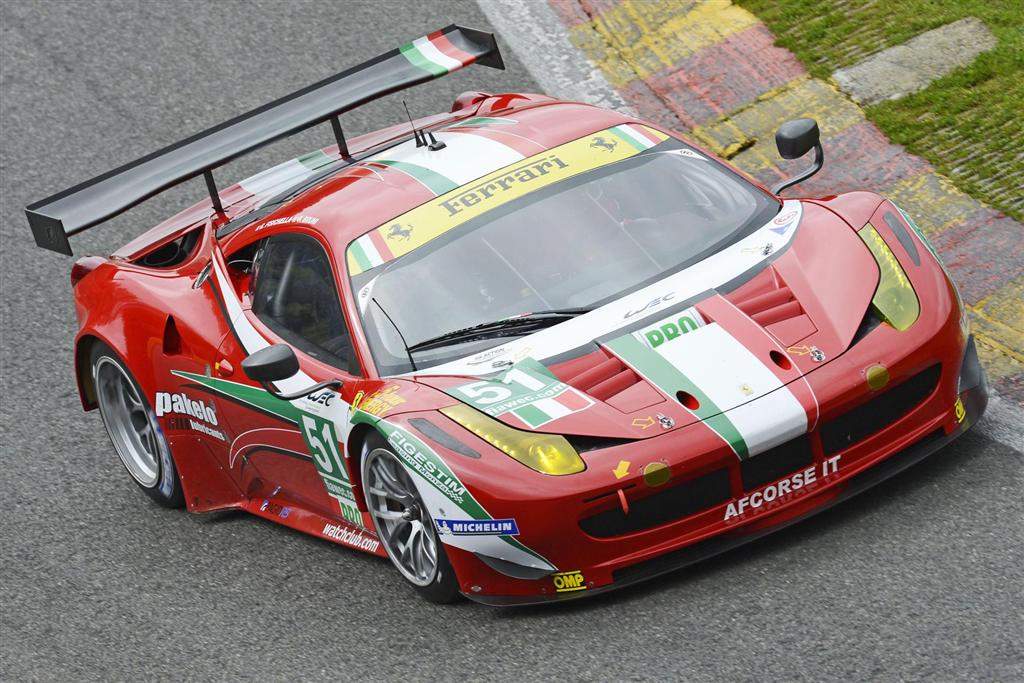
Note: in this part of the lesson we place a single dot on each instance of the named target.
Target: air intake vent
(608, 379)
(771, 304)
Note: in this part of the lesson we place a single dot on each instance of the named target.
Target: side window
(295, 295)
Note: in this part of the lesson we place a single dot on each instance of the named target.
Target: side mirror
(278, 362)
(794, 139)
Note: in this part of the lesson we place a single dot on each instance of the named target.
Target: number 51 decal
(322, 442)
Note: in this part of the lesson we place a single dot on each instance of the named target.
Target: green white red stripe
(542, 411)
(435, 54)
(736, 394)
(640, 137)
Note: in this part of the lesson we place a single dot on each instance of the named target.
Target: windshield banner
(428, 221)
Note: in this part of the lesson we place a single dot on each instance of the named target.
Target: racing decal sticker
(435, 54)
(447, 498)
(719, 378)
(323, 444)
(317, 424)
(780, 491)
(183, 413)
(528, 390)
(478, 195)
(568, 582)
(378, 402)
(351, 537)
(661, 332)
(473, 527)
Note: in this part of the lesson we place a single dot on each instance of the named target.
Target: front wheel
(133, 429)
(405, 526)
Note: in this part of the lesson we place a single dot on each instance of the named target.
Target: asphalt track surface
(918, 579)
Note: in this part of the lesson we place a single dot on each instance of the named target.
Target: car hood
(705, 344)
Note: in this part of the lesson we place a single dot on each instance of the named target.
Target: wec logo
(181, 404)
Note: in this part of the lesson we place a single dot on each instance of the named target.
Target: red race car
(529, 350)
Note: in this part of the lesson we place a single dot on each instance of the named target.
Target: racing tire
(404, 525)
(133, 428)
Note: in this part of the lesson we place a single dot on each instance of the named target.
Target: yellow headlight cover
(895, 300)
(545, 453)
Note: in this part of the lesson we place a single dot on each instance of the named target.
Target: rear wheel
(133, 429)
(405, 526)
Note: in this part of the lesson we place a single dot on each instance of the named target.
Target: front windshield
(580, 242)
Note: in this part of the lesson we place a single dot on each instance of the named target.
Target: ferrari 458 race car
(529, 350)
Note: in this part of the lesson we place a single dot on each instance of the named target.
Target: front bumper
(599, 565)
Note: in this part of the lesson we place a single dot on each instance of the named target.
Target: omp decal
(474, 527)
(716, 270)
(528, 390)
(352, 537)
(447, 498)
(511, 181)
(665, 331)
(783, 489)
(567, 582)
(435, 54)
(714, 367)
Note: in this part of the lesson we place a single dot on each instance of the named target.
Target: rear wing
(87, 204)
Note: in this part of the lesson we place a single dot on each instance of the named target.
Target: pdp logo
(667, 330)
(567, 582)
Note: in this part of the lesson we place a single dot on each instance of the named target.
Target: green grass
(969, 124)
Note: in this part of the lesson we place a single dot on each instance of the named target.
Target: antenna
(420, 142)
(423, 138)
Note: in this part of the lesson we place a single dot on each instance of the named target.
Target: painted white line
(903, 69)
(539, 39)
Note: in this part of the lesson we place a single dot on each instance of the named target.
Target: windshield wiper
(506, 327)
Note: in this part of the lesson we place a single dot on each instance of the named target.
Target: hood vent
(608, 379)
(771, 304)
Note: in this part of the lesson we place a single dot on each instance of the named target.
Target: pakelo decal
(183, 413)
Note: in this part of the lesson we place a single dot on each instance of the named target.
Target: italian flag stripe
(382, 247)
(545, 410)
(432, 180)
(652, 366)
(649, 134)
(364, 253)
(441, 42)
(633, 137)
(484, 121)
(524, 146)
(435, 54)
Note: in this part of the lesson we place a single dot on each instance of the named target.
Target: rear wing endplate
(87, 204)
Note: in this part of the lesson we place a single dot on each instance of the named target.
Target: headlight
(895, 301)
(545, 453)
